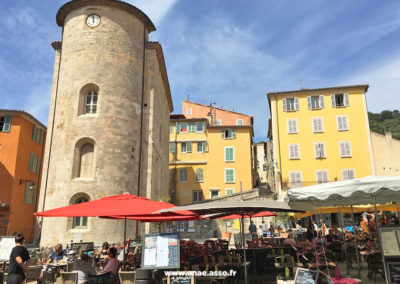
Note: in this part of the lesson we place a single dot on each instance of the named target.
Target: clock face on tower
(93, 20)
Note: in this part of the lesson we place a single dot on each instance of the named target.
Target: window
(348, 174)
(218, 122)
(317, 125)
(186, 147)
(239, 121)
(292, 126)
(214, 193)
(80, 222)
(290, 104)
(229, 154)
(197, 196)
(200, 127)
(315, 102)
(189, 111)
(340, 100)
(342, 123)
(86, 160)
(294, 152)
(172, 147)
(229, 175)
(183, 127)
(5, 123)
(295, 179)
(30, 194)
(34, 163)
(229, 191)
(265, 167)
(199, 175)
(201, 147)
(345, 149)
(228, 133)
(171, 127)
(183, 175)
(192, 126)
(37, 134)
(319, 150)
(91, 102)
(322, 176)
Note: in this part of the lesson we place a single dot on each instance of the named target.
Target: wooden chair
(127, 277)
(69, 277)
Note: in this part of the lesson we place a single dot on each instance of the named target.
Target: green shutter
(34, 132)
(31, 162)
(7, 123)
(233, 133)
(41, 137)
(38, 165)
(222, 133)
(189, 147)
(27, 195)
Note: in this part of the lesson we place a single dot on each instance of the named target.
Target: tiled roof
(305, 90)
(218, 108)
(25, 114)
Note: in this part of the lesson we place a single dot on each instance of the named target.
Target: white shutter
(333, 100)
(319, 176)
(290, 127)
(322, 150)
(348, 150)
(284, 104)
(298, 177)
(350, 174)
(309, 102)
(344, 123)
(294, 126)
(319, 123)
(342, 149)
(321, 101)
(346, 99)
(339, 123)
(296, 104)
(316, 150)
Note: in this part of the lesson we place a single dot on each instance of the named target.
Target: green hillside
(378, 122)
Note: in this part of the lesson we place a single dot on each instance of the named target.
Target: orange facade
(21, 154)
(220, 116)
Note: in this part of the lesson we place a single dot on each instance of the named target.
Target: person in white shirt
(83, 267)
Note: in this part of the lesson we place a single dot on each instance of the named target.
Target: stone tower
(109, 117)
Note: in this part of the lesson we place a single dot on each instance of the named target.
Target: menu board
(393, 270)
(305, 276)
(6, 246)
(391, 241)
(181, 279)
(160, 251)
(81, 246)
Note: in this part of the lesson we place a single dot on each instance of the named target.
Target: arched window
(80, 222)
(91, 102)
(86, 160)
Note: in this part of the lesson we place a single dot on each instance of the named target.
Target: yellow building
(209, 160)
(320, 135)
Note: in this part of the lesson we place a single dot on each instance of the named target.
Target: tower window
(86, 159)
(80, 222)
(91, 102)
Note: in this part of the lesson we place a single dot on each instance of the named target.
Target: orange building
(21, 154)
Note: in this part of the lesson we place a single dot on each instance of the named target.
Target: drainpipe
(279, 144)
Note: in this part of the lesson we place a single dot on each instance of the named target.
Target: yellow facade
(211, 161)
(343, 131)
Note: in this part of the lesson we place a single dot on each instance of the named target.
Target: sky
(227, 52)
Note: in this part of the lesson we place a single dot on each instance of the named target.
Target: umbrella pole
(378, 228)
(355, 241)
(323, 241)
(123, 244)
(344, 240)
(244, 249)
(397, 207)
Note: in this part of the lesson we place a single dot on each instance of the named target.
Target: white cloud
(155, 9)
(384, 81)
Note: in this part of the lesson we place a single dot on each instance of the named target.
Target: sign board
(181, 279)
(324, 278)
(305, 276)
(393, 271)
(160, 251)
(6, 246)
(391, 241)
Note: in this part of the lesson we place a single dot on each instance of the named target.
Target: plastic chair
(69, 277)
(127, 277)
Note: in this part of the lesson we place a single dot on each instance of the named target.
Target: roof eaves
(24, 114)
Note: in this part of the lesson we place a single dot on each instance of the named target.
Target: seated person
(290, 241)
(260, 232)
(331, 237)
(57, 255)
(83, 267)
(112, 263)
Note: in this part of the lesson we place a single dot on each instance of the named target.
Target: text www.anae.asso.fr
(201, 273)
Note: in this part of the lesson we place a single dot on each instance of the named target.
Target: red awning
(259, 214)
(120, 206)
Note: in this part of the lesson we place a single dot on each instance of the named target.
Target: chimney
(209, 118)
